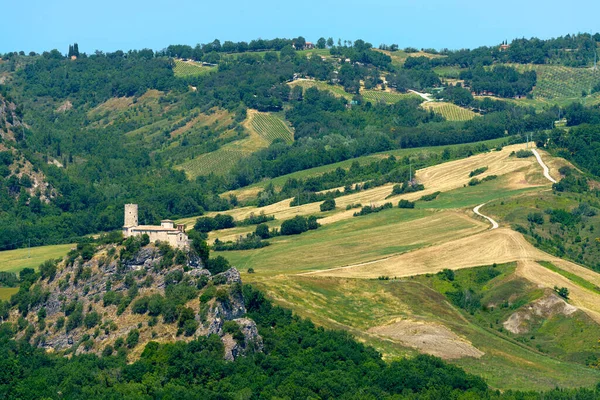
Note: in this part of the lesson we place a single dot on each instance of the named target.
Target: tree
(262, 231)
(328, 205)
(299, 43)
(330, 42)
(562, 292)
(321, 43)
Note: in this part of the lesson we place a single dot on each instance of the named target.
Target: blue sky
(110, 25)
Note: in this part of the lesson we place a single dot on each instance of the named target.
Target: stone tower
(131, 215)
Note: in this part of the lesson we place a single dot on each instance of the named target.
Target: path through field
(476, 211)
(544, 167)
(425, 96)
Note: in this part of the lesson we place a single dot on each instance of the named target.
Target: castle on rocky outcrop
(166, 232)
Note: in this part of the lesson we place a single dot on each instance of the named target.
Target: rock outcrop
(98, 303)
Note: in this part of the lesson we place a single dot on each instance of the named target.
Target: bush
(133, 337)
(366, 210)
(262, 231)
(535, 218)
(155, 304)
(140, 306)
(297, 225)
(477, 171)
(327, 205)
(524, 153)
(91, 319)
(430, 197)
(406, 204)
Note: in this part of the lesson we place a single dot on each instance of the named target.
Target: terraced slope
(270, 126)
(450, 111)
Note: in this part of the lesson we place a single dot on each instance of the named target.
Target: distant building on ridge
(166, 232)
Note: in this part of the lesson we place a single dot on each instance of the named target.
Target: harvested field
(430, 338)
(442, 177)
(496, 246)
(391, 232)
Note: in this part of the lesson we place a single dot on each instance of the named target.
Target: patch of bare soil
(66, 106)
(427, 337)
(547, 307)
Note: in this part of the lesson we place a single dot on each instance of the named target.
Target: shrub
(140, 306)
(535, 218)
(133, 337)
(91, 319)
(430, 197)
(406, 204)
(262, 231)
(524, 153)
(477, 171)
(446, 274)
(189, 327)
(372, 209)
(294, 226)
(327, 205)
(155, 304)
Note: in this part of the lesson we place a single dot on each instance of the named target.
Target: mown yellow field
(359, 240)
(442, 177)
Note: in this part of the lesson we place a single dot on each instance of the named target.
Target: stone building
(166, 232)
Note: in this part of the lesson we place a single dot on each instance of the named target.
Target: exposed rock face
(548, 306)
(85, 287)
(252, 340)
(147, 258)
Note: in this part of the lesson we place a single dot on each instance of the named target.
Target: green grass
(271, 127)
(16, 260)
(185, 69)
(471, 196)
(357, 305)
(5, 293)
(571, 276)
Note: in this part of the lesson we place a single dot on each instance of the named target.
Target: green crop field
(556, 81)
(189, 68)
(16, 260)
(386, 97)
(450, 111)
(271, 127)
(217, 162)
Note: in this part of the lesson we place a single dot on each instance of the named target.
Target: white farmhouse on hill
(166, 232)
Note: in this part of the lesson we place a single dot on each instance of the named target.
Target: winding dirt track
(544, 167)
(476, 211)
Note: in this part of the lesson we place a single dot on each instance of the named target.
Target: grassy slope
(16, 260)
(190, 68)
(358, 305)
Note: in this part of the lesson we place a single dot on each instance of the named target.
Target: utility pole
(28, 248)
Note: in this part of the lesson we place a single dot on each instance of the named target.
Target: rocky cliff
(118, 297)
